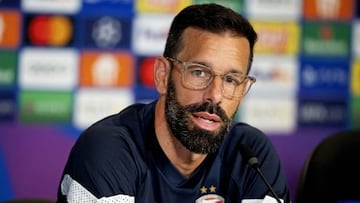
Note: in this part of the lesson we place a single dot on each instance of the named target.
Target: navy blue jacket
(120, 155)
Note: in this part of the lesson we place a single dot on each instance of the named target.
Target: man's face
(200, 119)
(193, 137)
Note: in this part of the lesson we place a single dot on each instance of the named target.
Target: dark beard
(195, 139)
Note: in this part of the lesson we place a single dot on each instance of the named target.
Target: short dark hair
(209, 17)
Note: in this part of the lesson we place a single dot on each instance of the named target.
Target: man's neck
(183, 160)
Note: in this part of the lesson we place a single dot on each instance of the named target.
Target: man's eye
(233, 80)
(198, 72)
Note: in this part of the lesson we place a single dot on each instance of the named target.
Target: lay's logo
(275, 37)
(355, 83)
(161, 5)
(45, 30)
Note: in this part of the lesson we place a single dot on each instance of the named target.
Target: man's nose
(214, 91)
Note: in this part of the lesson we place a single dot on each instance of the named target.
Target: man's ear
(161, 74)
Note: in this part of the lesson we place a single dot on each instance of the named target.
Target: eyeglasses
(198, 77)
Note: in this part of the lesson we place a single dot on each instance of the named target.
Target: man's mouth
(206, 121)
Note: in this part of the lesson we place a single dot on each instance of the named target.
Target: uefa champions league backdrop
(67, 63)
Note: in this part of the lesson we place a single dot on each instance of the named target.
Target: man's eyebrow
(236, 71)
(202, 63)
(233, 70)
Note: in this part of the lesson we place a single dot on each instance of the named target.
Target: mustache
(208, 107)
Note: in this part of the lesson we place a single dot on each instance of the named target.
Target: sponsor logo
(8, 63)
(45, 107)
(355, 112)
(107, 1)
(54, 69)
(7, 105)
(210, 198)
(161, 6)
(10, 22)
(146, 72)
(324, 77)
(106, 69)
(276, 37)
(9, 3)
(145, 88)
(107, 32)
(324, 39)
(270, 114)
(51, 6)
(328, 9)
(94, 104)
(322, 113)
(275, 75)
(121, 6)
(236, 5)
(44, 30)
(355, 82)
(356, 39)
(149, 33)
(279, 9)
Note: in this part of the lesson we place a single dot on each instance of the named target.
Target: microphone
(253, 162)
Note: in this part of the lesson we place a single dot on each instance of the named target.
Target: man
(182, 147)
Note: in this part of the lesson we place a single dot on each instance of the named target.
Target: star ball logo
(106, 32)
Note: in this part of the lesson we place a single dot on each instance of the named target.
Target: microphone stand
(254, 163)
(266, 183)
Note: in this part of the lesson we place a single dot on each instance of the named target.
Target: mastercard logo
(50, 30)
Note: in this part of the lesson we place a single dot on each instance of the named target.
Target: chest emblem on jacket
(210, 198)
